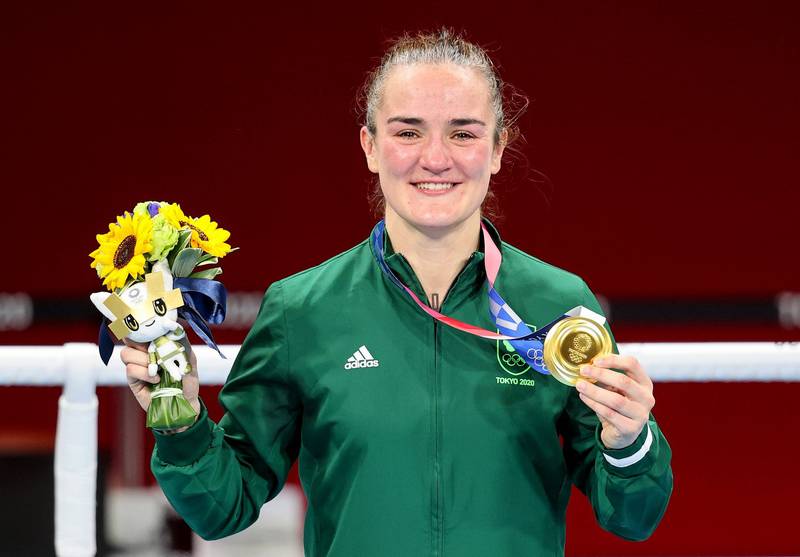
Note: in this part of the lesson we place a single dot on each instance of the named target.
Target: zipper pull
(434, 301)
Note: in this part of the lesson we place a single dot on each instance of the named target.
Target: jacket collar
(471, 278)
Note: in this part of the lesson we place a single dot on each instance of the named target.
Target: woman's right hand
(136, 359)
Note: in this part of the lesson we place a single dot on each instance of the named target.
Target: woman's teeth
(430, 186)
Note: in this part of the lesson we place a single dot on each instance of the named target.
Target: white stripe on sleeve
(635, 457)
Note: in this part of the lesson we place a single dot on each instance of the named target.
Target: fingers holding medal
(577, 352)
(622, 401)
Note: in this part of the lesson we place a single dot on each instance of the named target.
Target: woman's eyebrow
(466, 122)
(413, 121)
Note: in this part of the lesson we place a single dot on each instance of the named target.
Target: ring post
(75, 461)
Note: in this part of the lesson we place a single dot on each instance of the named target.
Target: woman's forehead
(445, 90)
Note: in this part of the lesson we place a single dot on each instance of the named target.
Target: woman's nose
(435, 155)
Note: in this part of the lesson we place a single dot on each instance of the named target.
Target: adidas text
(362, 363)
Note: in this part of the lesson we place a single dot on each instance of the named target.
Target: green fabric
(433, 451)
(188, 446)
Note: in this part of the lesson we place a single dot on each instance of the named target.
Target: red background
(668, 135)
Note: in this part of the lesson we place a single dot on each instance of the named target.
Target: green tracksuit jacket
(431, 442)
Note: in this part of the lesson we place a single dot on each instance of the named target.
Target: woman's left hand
(622, 401)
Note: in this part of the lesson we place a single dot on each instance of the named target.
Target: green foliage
(184, 237)
(186, 261)
(207, 273)
(207, 259)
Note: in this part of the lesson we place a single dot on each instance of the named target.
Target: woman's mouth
(434, 188)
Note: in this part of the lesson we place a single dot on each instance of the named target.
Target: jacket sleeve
(629, 488)
(217, 477)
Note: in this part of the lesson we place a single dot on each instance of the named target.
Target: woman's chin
(439, 220)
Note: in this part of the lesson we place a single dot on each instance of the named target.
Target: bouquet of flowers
(149, 260)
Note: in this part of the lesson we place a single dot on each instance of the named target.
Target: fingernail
(580, 385)
(586, 370)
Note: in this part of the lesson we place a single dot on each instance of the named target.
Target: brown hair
(443, 46)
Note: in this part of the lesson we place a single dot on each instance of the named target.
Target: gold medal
(572, 343)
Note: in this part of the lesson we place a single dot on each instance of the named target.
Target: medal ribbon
(528, 344)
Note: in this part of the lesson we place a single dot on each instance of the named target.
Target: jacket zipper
(437, 518)
(438, 506)
(438, 521)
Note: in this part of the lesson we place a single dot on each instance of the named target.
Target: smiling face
(434, 148)
(144, 310)
(153, 323)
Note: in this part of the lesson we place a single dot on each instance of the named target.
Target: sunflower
(208, 237)
(205, 234)
(174, 215)
(122, 249)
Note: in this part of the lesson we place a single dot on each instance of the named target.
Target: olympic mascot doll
(147, 312)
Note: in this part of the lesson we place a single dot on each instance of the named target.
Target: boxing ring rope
(78, 368)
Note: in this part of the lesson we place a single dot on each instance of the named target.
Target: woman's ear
(368, 145)
(497, 155)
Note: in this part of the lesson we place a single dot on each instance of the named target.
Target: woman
(412, 440)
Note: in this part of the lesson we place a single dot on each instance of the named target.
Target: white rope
(666, 361)
(44, 365)
(718, 361)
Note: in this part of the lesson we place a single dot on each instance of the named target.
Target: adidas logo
(361, 358)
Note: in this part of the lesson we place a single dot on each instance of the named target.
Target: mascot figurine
(147, 312)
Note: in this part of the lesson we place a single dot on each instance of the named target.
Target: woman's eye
(463, 135)
(159, 306)
(407, 134)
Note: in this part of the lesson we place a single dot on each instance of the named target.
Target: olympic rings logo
(514, 360)
(537, 355)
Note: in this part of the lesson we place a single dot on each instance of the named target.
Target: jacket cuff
(186, 447)
(629, 460)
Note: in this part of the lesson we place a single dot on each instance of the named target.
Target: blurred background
(660, 164)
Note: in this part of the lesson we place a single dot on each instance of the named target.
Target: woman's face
(434, 146)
